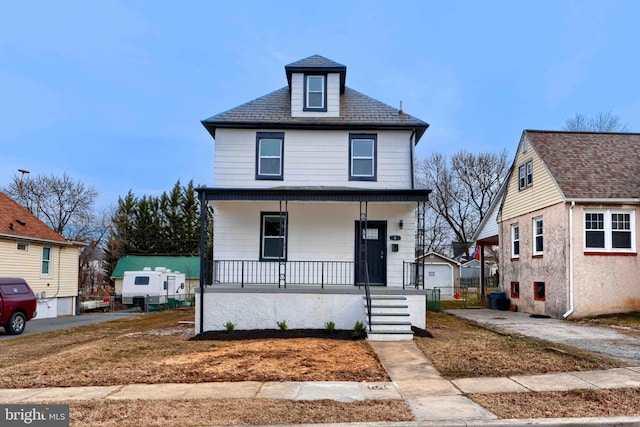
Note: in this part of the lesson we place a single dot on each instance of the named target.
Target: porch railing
(315, 273)
(412, 275)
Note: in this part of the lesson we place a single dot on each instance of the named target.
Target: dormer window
(315, 93)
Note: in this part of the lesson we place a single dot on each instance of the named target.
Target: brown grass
(154, 349)
(461, 350)
(151, 349)
(225, 412)
(575, 403)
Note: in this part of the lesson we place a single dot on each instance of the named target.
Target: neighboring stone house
(30, 250)
(314, 203)
(568, 224)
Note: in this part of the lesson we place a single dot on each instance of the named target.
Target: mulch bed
(261, 334)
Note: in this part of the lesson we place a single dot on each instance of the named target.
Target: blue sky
(112, 92)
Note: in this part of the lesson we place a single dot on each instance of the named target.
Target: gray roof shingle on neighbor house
(590, 165)
(357, 111)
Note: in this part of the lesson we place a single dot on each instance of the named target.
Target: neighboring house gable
(569, 235)
(29, 249)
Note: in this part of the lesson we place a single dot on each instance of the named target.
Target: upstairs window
(362, 157)
(22, 247)
(273, 236)
(269, 155)
(46, 261)
(315, 93)
(538, 240)
(609, 231)
(525, 175)
(515, 241)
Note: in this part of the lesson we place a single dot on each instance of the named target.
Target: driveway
(37, 326)
(598, 339)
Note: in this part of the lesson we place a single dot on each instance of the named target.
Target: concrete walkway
(432, 399)
(607, 341)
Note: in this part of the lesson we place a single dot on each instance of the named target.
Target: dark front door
(375, 239)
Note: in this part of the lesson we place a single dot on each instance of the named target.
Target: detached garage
(440, 272)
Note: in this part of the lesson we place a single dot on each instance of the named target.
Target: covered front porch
(313, 255)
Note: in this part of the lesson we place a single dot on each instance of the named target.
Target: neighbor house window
(539, 291)
(515, 241)
(315, 93)
(46, 261)
(269, 155)
(515, 289)
(22, 247)
(273, 236)
(538, 241)
(362, 157)
(525, 175)
(609, 231)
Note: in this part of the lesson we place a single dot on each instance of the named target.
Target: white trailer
(158, 286)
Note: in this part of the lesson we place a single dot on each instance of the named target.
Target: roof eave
(211, 127)
(613, 201)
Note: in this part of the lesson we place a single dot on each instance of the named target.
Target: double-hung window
(269, 155)
(538, 241)
(515, 241)
(525, 175)
(315, 93)
(46, 261)
(609, 231)
(273, 236)
(362, 157)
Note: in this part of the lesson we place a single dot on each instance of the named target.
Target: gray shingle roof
(273, 111)
(315, 61)
(589, 165)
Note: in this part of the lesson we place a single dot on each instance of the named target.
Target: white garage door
(439, 276)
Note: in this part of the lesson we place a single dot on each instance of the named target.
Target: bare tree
(601, 122)
(63, 204)
(464, 187)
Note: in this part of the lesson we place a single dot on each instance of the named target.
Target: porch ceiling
(314, 194)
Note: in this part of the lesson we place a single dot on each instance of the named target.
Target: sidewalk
(433, 400)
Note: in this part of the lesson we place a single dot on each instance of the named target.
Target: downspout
(571, 307)
(203, 254)
(412, 148)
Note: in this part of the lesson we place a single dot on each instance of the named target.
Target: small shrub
(330, 327)
(359, 330)
(230, 327)
(282, 325)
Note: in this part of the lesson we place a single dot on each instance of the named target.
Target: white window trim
(309, 91)
(261, 156)
(534, 231)
(608, 230)
(525, 175)
(514, 240)
(25, 250)
(49, 261)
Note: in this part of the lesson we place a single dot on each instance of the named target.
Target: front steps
(389, 318)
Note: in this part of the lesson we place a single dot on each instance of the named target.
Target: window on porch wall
(273, 232)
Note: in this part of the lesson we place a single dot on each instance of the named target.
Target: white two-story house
(314, 209)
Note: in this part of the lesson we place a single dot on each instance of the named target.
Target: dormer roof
(317, 64)
(357, 111)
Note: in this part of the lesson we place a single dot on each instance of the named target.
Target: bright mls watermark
(34, 415)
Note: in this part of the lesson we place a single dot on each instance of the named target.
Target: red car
(18, 304)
